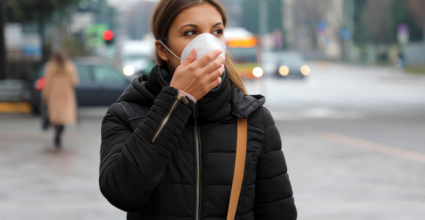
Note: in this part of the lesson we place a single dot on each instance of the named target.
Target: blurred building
(313, 27)
(135, 19)
(234, 11)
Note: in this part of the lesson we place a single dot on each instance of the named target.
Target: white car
(135, 56)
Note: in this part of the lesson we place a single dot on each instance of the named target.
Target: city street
(353, 138)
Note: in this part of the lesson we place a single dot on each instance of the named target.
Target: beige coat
(59, 93)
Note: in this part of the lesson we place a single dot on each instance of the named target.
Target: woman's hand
(199, 77)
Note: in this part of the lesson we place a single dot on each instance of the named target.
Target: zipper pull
(182, 98)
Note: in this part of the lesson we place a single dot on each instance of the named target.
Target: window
(84, 74)
(107, 75)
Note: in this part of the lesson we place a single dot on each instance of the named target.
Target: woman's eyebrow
(196, 26)
(190, 25)
(219, 23)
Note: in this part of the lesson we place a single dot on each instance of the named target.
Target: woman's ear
(161, 51)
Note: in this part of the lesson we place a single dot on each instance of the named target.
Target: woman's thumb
(189, 59)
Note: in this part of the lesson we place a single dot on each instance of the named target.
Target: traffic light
(108, 36)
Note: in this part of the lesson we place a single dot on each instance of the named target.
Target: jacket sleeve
(131, 164)
(273, 191)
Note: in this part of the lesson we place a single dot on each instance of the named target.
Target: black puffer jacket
(164, 159)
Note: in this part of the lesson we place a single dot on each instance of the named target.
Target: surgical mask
(204, 43)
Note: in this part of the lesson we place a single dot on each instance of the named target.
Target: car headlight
(128, 70)
(305, 70)
(258, 72)
(284, 70)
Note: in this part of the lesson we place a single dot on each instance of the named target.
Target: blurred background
(344, 80)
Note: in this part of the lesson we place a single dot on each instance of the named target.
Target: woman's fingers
(190, 58)
(216, 74)
(204, 60)
(213, 65)
(196, 77)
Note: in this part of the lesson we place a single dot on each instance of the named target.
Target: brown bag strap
(239, 167)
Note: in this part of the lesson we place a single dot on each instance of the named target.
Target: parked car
(291, 65)
(100, 83)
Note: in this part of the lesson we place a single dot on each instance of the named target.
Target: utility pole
(263, 31)
(3, 55)
(263, 22)
(423, 31)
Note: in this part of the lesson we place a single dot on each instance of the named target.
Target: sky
(121, 4)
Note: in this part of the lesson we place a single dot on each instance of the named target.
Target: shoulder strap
(239, 167)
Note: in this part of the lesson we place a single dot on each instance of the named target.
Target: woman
(168, 144)
(61, 79)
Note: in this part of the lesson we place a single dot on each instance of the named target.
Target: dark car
(100, 83)
(291, 65)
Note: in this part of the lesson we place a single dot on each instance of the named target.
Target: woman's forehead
(200, 15)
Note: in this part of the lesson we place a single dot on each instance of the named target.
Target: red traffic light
(108, 35)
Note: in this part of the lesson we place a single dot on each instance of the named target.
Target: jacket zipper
(165, 121)
(198, 171)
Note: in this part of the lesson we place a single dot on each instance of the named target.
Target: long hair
(165, 13)
(59, 62)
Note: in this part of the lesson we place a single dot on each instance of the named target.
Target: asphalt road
(353, 138)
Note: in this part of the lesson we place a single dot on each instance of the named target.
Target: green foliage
(401, 14)
(35, 10)
(250, 16)
(365, 25)
(360, 34)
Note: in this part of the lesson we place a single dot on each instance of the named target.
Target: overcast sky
(123, 3)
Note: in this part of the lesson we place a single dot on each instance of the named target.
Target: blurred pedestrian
(401, 60)
(168, 144)
(58, 94)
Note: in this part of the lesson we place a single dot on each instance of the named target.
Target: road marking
(376, 147)
(317, 113)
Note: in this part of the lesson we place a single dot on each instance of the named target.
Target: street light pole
(423, 31)
(263, 22)
(263, 31)
(3, 55)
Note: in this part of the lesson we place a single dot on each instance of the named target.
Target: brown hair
(59, 62)
(165, 13)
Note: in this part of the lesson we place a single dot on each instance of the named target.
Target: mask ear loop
(169, 49)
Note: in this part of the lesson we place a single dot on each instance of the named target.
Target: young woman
(168, 144)
(61, 79)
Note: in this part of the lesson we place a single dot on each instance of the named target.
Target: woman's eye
(191, 32)
(218, 32)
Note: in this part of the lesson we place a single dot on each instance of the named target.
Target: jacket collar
(221, 102)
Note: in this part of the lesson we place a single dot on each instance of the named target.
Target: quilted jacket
(164, 157)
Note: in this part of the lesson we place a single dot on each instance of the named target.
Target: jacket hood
(224, 100)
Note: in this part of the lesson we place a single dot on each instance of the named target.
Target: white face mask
(204, 43)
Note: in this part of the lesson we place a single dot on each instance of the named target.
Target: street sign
(403, 33)
(345, 33)
(321, 27)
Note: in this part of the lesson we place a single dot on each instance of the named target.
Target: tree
(39, 11)
(3, 58)
(306, 15)
(250, 15)
(417, 11)
(360, 34)
(35, 10)
(377, 21)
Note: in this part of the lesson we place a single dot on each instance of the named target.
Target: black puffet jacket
(164, 159)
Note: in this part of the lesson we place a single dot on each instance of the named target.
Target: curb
(15, 107)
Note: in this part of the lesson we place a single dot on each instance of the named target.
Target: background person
(59, 95)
